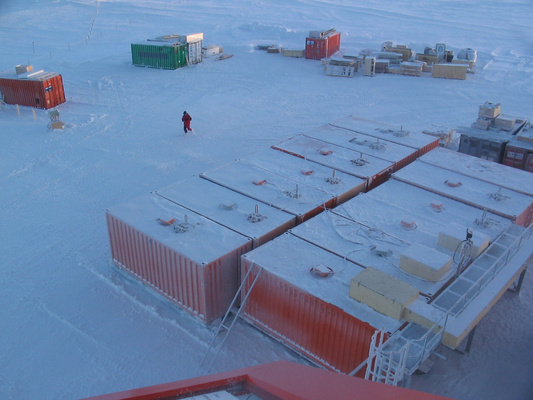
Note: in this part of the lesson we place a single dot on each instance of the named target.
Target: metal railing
(417, 350)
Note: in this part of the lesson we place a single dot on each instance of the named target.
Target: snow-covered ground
(71, 324)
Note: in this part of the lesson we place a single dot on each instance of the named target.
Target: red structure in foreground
(281, 380)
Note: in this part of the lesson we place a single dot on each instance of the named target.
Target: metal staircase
(230, 317)
(385, 366)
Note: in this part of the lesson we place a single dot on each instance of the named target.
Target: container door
(180, 56)
(529, 163)
(195, 52)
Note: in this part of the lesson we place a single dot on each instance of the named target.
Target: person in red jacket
(186, 122)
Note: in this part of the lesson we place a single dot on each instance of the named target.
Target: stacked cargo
(450, 71)
(342, 67)
(31, 88)
(496, 137)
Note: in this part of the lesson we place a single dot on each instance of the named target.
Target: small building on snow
(168, 51)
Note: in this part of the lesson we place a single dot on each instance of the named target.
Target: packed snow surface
(72, 325)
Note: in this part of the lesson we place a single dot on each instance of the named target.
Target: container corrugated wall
(319, 48)
(529, 163)
(164, 57)
(205, 290)
(39, 93)
(320, 331)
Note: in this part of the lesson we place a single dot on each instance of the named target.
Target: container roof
(395, 134)
(268, 187)
(375, 146)
(33, 75)
(485, 170)
(481, 194)
(202, 240)
(225, 206)
(334, 156)
(305, 171)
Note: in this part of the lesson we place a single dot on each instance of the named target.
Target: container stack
(498, 137)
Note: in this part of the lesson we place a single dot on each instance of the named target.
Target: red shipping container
(37, 89)
(321, 45)
(515, 156)
(189, 259)
(313, 315)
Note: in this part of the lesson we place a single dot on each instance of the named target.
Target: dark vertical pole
(470, 339)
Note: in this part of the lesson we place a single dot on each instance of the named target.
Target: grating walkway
(406, 350)
(471, 282)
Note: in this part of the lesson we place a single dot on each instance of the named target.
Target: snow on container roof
(483, 195)
(417, 204)
(283, 193)
(291, 259)
(31, 75)
(341, 158)
(231, 209)
(339, 184)
(371, 145)
(487, 171)
(385, 131)
(377, 243)
(203, 241)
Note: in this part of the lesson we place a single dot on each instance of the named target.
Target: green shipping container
(159, 54)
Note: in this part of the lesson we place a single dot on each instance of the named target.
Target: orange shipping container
(309, 312)
(33, 89)
(515, 156)
(189, 259)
